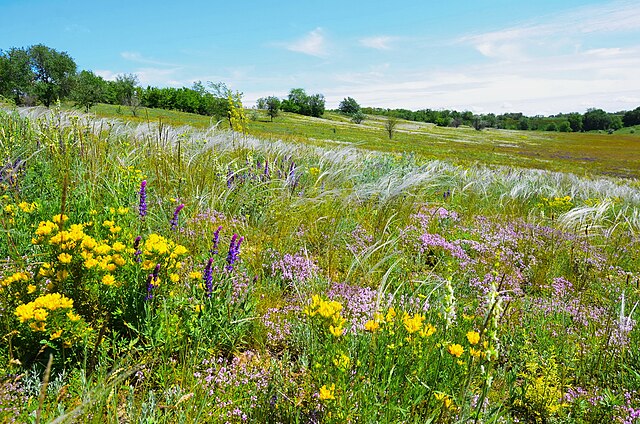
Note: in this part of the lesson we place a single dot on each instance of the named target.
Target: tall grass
(305, 284)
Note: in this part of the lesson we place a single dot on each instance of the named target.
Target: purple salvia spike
(142, 207)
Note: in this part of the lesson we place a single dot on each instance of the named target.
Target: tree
(300, 102)
(575, 122)
(16, 75)
(358, 117)
(631, 117)
(88, 89)
(478, 123)
(551, 127)
(596, 119)
(390, 125)
(564, 126)
(53, 73)
(349, 106)
(272, 104)
(316, 105)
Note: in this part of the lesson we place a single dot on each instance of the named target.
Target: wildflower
(455, 350)
(336, 331)
(108, 280)
(31, 289)
(427, 330)
(234, 251)
(327, 393)
(174, 278)
(342, 361)
(142, 208)
(176, 215)
(136, 246)
(446, 400)
(473, 337)
(56, 335)
(412, 324)
(198, 308)
(216, 240)
(371, 326)
(208, 278)
(391, 314)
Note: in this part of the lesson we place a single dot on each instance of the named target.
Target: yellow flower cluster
(411, 323)
(330, 311)
(327, 392)
(15, 277)
(560, 203)
(39, 309)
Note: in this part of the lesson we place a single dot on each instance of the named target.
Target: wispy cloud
(535, 37)
(313, 44)
(379, 42)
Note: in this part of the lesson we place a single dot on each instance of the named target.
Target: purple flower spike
(234, 250)
(136, 245)
(150, 287)
(208, 278)
(216, 241)
(176, 214)
(142, 208)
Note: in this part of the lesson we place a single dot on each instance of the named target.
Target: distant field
(615, 154)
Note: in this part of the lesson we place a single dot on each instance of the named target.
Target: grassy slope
(591, 153)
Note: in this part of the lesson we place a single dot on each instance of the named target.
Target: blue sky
(536, 57)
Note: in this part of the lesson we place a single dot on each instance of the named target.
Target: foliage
(301, 103)
(53, 73)
(349, 106)
(390, 126)
(88, 90)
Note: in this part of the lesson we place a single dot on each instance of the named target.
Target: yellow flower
(427, 330)
(174, 278)
(391, 314)
(180, 250)
(473, 337)
(72, 316)
(342, 361)
(198, 308)
(59, 218)
(31, 289)
(412, 324)
(196, 275)
(371, 326)
(65, 258)
(123, 211)
(56, 335)
(336, 331)
(455, 350)
(327, 393)
(118, 246)
(108, 280)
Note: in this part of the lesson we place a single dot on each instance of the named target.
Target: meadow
(158, 272)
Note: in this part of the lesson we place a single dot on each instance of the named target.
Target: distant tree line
(41, 75)
(592, 119)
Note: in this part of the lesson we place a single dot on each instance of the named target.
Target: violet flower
(234, 251)
(216, 240)
(208, 278)
(136, 246)
(176, 214)
(142, 208)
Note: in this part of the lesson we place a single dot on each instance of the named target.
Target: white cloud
(106, 74)
(139, 58)
(313, 44)
(521, 42)
(380, 42)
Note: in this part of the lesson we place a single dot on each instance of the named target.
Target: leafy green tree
(564, 126)
(88, 90)
(16, 75)
(53, 73)
(575, 122)
(551, 127)
(596, 119)
(358, 117)
(523, 123)
(316, 105)
(631, 117)
(616, 123)
(272, 104)
(349, 106)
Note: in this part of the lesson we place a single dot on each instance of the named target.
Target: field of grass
(615, 154)
(156, 272)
